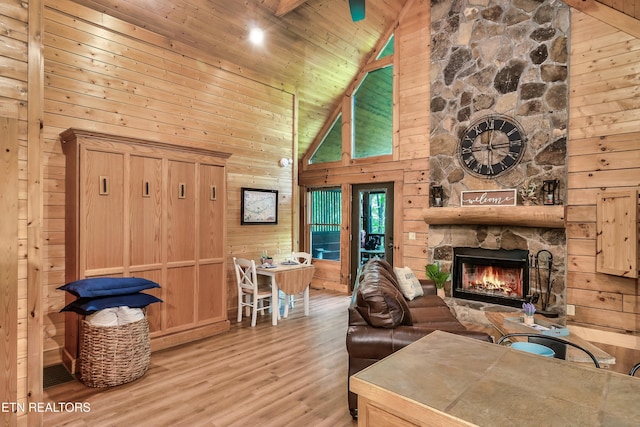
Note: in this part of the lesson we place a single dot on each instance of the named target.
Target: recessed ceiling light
(256, 35)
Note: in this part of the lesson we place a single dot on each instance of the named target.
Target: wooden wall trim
(35, 208)
(9, 261)
(295, 188)
(607, 14)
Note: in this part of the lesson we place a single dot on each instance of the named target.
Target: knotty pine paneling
(14, 41)
(129, 83)
(9, 253)
(603, 152)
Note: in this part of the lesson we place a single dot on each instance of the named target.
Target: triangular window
(388, 48)
(330, 149)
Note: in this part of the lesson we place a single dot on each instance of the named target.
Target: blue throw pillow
(107, 286)
(91, 305)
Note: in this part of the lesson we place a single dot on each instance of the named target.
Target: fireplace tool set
(542, 265)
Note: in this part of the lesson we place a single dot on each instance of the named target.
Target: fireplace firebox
(497, 276)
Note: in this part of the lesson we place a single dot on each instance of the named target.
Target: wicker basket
(114, 355)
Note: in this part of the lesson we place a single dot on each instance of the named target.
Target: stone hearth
(474, 311)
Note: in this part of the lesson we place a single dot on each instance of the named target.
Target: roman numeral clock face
(491, 146)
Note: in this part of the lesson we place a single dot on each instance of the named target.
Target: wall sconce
(550, 191)
(437, 196)
(284, 162)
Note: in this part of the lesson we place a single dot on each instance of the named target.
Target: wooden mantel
(521, 216)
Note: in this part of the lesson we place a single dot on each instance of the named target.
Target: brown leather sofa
(382, 321)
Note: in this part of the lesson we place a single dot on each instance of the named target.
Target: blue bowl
(531, 347)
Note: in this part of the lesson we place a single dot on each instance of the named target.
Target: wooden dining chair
(301, 257)
(250, 296)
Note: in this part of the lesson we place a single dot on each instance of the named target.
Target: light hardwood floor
(291, 374)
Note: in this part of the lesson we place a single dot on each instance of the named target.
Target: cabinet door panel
(102, 210)
(180, 294)
(617, 232)
(211, 289)
(181, 209)
(145, 211)
(211, 206)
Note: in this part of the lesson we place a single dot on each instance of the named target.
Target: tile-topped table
(449, 380)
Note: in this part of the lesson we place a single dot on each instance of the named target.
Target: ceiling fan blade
(357, 10)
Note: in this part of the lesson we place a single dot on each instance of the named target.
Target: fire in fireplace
(497, 276)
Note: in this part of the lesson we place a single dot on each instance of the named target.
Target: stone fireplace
(508, 58)
(491, 275)
(445, 239)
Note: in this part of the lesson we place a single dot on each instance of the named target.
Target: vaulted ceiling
(312, 47)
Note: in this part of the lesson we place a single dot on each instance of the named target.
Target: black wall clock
(491, 146)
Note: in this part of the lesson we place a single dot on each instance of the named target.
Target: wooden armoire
(153, 210)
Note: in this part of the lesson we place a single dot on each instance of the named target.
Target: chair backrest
(560, 349)
(301, 257)
(245, 274)
(550, 338)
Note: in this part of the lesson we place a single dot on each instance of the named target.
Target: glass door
(372, 224)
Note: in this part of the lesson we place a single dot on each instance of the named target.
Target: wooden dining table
(292, 280)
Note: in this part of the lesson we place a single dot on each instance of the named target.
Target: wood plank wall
(413, 38)
(118, 92)
(102, 74)
(604, 152)
(9, 259)
(13, 110)
(628, 7)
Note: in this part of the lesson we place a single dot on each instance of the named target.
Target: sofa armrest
(366, 342)
(355, 318)
(428, 286)
(376, 343)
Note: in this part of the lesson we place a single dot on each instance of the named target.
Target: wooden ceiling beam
(287, 6)
(604, 13)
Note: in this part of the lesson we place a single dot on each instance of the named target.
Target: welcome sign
(488, 198)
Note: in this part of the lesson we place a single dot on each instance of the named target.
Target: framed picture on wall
(258, 206)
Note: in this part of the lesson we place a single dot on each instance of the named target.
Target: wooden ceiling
(311, 48)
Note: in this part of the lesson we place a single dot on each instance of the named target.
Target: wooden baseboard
(162, 342)
(171, 340)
